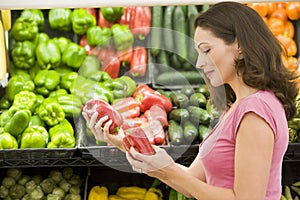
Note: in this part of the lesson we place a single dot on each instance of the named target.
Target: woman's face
(215, 58)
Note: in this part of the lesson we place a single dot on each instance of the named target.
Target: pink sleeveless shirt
(218, 148)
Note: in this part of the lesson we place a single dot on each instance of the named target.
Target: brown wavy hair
(262, 66)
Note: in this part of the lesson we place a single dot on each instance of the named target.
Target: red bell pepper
(110, 62)
(127, 107)
(104, 109)
(155, 132)
(125, 56)
(127, 16)
(140, 22)
(133, 122)
(102, 22)
(92, 11)
(83, 42)
(157, 112)
(149, 97)
(137, 139)
(138, 64)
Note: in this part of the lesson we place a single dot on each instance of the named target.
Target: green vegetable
(199, 115)
(24, 179)
(192, 12)
(60, 19)
(17, 191)
(25, 100)
(179, 78)
(15, 173)
(46, 81)
(59, 192)
(4, 103)
(65, 185)
(130, 83)
(293, 135)
(4, 192)
(96, 35)
(90, 68)
(73, 197)
(122, 36)
(73, 55)
(37, 179)
(203, 131)
(179, 115)
(82, 20)
(71, 104)
(67, 172)
(17, 84)
(62, 135)
(188, 90)
(30, 186)
(37, 193)
(48, 54)
(8, 182)
(190, 132)
(23, 54)
(156, 30)
(34, 137)
(198, 99)
(35, 15)
(56, 175)
(168, 29)
(75, 180)
(175, 133)
(162, 62)
(47, 185)
(24, 29)
(51, 112)
(179, 99)
(112, 14)
(179, 26)
(62, 43)
(7, 141)
(15, 121)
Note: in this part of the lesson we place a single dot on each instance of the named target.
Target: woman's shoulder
(261, 98)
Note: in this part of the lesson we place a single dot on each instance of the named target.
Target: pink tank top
(218, 148)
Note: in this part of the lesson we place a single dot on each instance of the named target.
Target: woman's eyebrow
(201, 43)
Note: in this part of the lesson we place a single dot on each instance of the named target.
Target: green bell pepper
(48, 54)
(73, 55)
(14, 120)
(118, 87)
(96, 35)
(70, 104)
(122, 36)
(4, 103)
(58, 92)
(23, 54)
(34, 137)
(112, 14)
(90, 68)
(46, 81)
(81, 21)
(7, 141)
(51, 112)
(60, 19)
(35, 15)
(62, 135)
(24, 29)
(131, 84)
(67, 80)
(35, 120)
(62, 43)
(41, 38)
(17, 84)
(25, 100)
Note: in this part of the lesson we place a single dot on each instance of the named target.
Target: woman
(242, 157)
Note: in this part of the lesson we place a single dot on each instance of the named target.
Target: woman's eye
(206, 51)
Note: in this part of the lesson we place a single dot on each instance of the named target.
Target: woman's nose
(200, 62)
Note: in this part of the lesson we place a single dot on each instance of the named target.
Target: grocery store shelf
(22, 4)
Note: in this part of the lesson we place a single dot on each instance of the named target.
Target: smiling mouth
(208, 74)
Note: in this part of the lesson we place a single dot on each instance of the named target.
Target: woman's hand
(153, 165)
(102, 132)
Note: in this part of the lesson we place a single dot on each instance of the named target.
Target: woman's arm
(253, 155)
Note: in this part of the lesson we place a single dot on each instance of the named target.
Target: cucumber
(179, 78)
(179, 115)
(168, 29)
(179, 26)
(179, 99)
(192, 13)
(172, 194)
(175, 133)
(180, 196)
(162, 61)
(198, 99)
(188, 90)
(165, 93)
(175, 63)
(190, 132)
(199, 115)
(203, 89)
(203, 131)
(156, 30)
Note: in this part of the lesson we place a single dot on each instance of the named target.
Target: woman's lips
(208, 74)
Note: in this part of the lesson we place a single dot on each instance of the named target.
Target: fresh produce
(55, 185)
(139, 60)
(179, 25)
(96, 35)
(128, 107)
(25, 100)
(156, 31)
(168, 37)
(81, 21)
(48, 54)
(7, 141)
(112, 14)
(73, 55)
(17, 84)
(98, 192)
(46, 81)
(140, 21)
(35, 15)
(23, 54)
(104, 109)
(34, 137)
(122, 37)
(24, 29)
(60, 19)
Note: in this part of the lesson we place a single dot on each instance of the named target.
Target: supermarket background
(108, 53)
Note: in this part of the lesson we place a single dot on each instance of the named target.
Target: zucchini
(156, 30)
(162, 61)
(192, 13)
(198, 99)
(168, 29)
(179, 26)
(190, 132)
(179, 78)
(175, 133)
(199, 115)
(179, 115)
(179, 99)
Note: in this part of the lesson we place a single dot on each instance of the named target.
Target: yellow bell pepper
(116, 197)
(97, 193)
(132, 192)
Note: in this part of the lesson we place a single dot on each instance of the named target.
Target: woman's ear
(239, 51)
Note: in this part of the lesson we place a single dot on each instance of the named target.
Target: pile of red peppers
(138, 20)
